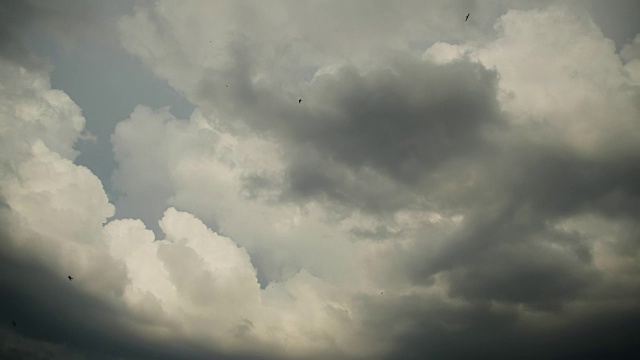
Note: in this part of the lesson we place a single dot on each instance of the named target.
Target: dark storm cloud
(71, 324)
(14, 15)
(524, 271)
(399, 122)
(509, 252)
(404, 121)
(20, 19)
(424, 127)
(491, 323)
(482, 332)
(531, 189)
(416, 124)
(525, 191)
(556, 184)
(84, 323)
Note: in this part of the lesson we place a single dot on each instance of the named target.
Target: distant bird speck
(69, 277)
(227, 85)
(14, 323)
(299, 101)
(467, 18)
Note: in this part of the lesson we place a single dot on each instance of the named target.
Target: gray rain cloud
(445, 189)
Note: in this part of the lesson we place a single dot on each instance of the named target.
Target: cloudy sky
(445, 189)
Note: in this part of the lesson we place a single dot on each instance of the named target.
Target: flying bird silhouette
(69, 277)
(467, 18)
(299, 101)
(14, 323)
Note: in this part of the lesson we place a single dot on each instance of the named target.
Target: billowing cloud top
(445, 188)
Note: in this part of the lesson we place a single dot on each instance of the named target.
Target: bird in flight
(69, 277)
(467, 18)
(299, 101)
(14, 323)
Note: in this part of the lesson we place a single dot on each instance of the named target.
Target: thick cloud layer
(444, 190)
(65, 21)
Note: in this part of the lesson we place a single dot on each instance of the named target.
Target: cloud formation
(441, 192)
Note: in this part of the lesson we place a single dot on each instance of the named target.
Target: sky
(446, 189)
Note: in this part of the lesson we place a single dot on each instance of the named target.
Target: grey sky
(446, 189)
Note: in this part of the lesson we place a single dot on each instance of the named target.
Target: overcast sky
(446, 189)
